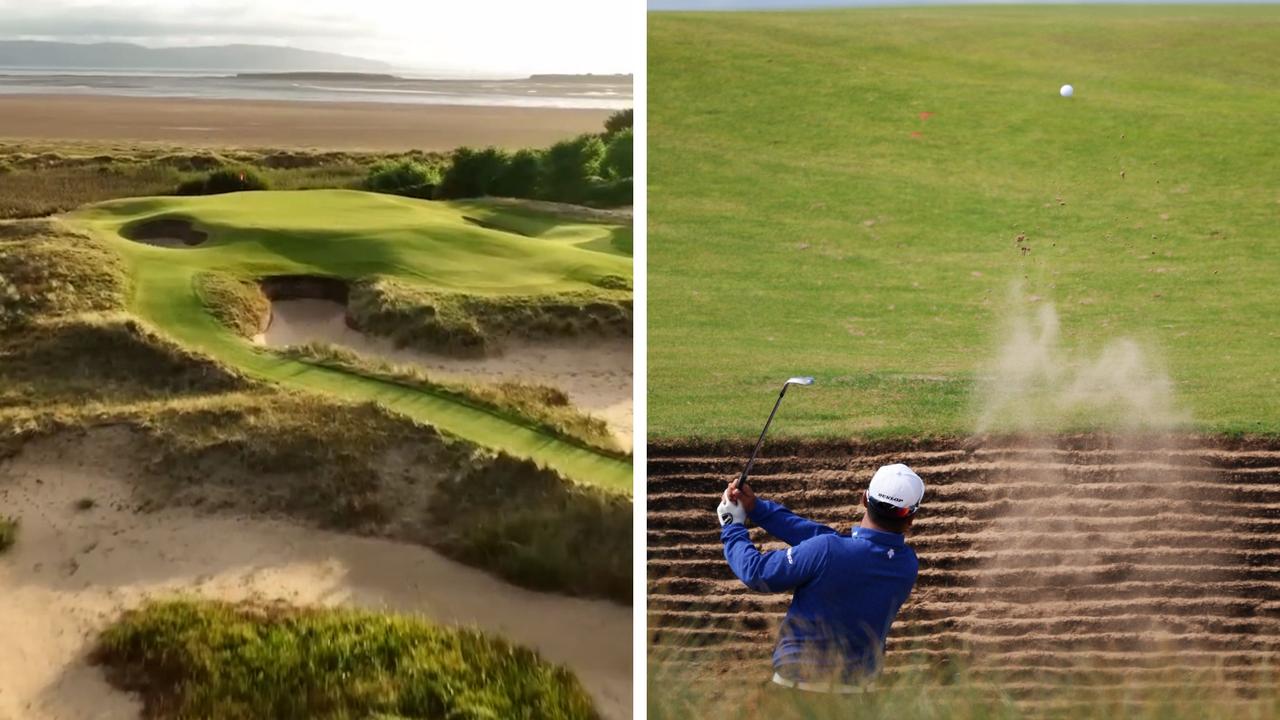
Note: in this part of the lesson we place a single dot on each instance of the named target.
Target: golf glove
(730, 512)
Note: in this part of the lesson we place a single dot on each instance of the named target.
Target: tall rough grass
(960, 692)
(220, 661)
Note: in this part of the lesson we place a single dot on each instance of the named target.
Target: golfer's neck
(870, 524)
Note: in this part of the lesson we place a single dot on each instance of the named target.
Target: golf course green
(869, 196)
(354, 235)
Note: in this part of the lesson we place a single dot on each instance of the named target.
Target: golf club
(791, 381)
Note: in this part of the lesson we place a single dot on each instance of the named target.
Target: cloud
(480, 35)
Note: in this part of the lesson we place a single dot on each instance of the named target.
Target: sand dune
(72, 571)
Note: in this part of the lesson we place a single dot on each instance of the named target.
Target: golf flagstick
(747, 470)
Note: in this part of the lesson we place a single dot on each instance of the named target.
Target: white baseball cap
(898, 487)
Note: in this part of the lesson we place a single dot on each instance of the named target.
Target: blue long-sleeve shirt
(847, 590)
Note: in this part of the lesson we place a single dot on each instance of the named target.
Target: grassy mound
(237, 303)
(50, 270)
(218, 661)
(928, 163)
(543, 406)
(474, 325)
(355, 467)
(103, 359)
(532, 528)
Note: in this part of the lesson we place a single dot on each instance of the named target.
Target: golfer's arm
(772, 571)
(784, 524)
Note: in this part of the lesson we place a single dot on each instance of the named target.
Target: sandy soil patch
(73, 571)
(595, 373)
(284, 124)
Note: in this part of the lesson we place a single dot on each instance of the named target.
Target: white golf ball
(1067, 91)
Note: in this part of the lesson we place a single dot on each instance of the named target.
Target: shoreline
(291, 124)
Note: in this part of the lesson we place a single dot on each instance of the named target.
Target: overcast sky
(467, 36)
(792, 4)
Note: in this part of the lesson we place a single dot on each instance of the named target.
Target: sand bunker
(73, 571)
(166, 232)
(595, 373)
(1081, 552)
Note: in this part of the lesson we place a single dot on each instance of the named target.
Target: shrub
(568, 166)
(224, 180)
(520, 178)
(609, 193)
(404, 177)
(473, 173)
(618, 121)
(618, 156)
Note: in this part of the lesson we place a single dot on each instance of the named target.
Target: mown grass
(542, 406)
(8, 532)
(841, 193)
(219, 661)
(40, 180)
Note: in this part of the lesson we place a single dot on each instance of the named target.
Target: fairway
(353, 235)
(867, 196)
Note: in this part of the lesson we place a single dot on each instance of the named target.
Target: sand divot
(73, 571)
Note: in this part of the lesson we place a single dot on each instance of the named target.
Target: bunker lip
(279, 288)
(166, 232)
(305, 287)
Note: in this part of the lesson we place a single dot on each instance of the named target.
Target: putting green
(353, 235)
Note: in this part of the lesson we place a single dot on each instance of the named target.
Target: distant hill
(114, 56)
(315, 75)
(588, 77)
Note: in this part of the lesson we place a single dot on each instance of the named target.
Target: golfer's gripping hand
(730, 512)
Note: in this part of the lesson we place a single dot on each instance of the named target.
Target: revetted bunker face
(285, 288)
(165, 232)
(305, 287)
(1105, 556)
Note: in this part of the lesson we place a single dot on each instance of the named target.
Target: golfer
(847, 588)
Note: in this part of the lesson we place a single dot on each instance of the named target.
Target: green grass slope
(352, 235)
(807, 216)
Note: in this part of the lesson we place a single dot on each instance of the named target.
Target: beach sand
(278, 124)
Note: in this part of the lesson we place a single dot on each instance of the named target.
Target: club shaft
(747, 470)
